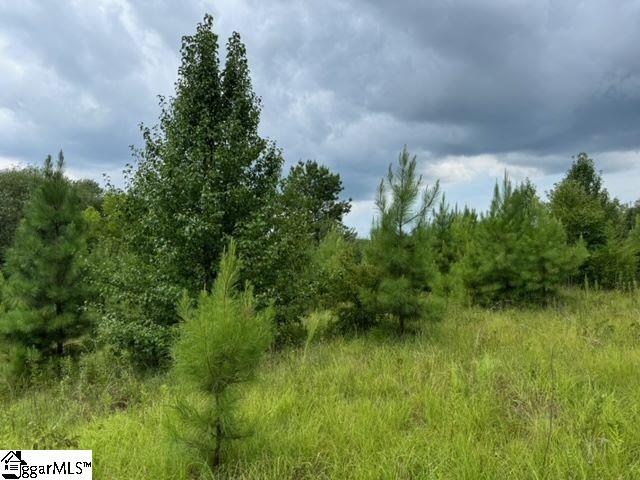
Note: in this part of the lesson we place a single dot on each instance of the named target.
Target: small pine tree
(44, 293)
(399, 257)
(221, 343)
(520, 253)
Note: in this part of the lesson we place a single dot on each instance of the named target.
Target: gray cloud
(347, 83)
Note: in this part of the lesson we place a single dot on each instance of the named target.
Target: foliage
(45, 291)
(2, 286)
(204, 170)
(313, 188)
(280, 242)
(16, 186)
(519, 254)
(90, 193)
(452, 232)
(221, 343)
(614, 264)
(470, 397)
(133, 301)
(276, 247)
(581, 215)
(582, 204)
(399, 256)
(336, 271)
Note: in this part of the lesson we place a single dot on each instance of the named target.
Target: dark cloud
(473, 86)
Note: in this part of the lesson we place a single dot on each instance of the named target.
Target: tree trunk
(217, 450)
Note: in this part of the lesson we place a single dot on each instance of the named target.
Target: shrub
(336, 275)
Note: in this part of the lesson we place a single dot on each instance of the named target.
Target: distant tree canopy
(584, 207)
(314, 189)
(17, 186)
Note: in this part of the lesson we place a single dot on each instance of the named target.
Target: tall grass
(523, 394)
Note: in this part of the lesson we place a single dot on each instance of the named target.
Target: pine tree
(220, 346)
(44, 292)
(204, 171)
(520, 253)
(399, 257)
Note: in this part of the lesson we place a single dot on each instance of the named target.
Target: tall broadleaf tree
(399, 258)
(44, 292)
(204, 170)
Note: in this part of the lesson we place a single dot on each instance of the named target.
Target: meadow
(509, 393)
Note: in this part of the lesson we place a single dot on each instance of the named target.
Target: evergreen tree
(220, 346)
(204, 171)
(399, 256)
(451, 231)
(520, 254)
(45, 292)
(581, 214)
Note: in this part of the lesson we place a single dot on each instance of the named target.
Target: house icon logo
(11, 464)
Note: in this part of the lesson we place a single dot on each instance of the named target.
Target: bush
(613, 265)
(336, 275)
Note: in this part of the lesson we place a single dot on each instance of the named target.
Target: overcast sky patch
(474, 87)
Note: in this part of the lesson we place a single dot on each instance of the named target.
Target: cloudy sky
(473, 87)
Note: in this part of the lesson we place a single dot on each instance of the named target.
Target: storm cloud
(473, 87)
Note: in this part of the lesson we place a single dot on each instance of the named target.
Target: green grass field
(519, 394)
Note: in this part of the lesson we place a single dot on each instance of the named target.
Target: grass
(551, 393)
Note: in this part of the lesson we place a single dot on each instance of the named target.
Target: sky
(474, 88)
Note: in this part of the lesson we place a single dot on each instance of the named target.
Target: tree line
(210, 254)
